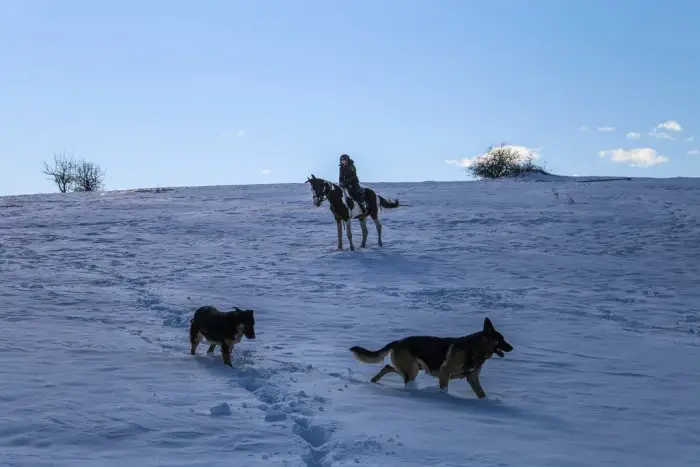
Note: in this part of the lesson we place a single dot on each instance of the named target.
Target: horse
(344, 208)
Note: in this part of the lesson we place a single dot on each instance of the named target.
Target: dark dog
(444, 358)
(221, 328)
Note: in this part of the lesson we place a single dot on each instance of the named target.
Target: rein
(324, 195)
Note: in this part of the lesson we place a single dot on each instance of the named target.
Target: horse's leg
(363, 226)
(348, 231)
(378, 225)
(340, 233)
(375, 219)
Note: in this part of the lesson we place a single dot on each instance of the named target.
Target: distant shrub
(71, 175)
(62, 172)
(88, 177)
(504, 161)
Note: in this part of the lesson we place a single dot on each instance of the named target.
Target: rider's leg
(358, 195)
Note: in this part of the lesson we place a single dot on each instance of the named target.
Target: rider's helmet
(344, 158)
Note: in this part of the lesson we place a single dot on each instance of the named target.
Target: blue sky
(232, 92)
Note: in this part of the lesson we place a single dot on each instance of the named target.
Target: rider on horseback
(348, 179)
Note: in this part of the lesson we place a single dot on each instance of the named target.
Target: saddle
(348, 194)
(351, 202)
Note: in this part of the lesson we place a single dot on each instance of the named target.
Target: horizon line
(578, 178)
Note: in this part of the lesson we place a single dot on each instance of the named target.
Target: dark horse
(344, 209)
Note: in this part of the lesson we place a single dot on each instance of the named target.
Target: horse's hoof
(352, 248)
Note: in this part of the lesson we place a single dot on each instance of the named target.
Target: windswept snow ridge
(595, 285)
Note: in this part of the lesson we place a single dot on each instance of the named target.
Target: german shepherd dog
(221, 328)
(444, 358)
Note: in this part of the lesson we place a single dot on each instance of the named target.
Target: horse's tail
(391, 204)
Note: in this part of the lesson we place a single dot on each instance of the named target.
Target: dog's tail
(371, 356)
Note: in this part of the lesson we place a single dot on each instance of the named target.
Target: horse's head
(319, 188)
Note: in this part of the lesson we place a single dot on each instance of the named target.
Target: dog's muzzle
(505, 348)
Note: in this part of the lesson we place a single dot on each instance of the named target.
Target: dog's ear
(488, 325)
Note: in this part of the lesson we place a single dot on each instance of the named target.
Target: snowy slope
(595, 285)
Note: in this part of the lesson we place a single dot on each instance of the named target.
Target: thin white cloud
(583, 128)
(266, 171)
(230, 133)
(637, 157)
(661, 135)
(670, 125)
(633, 135)
(522, 151)
(694, 152)
(606, 129)
(688, 140)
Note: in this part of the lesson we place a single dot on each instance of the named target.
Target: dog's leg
(340, 233)
(444, 377)
(406, 365)
(412, 374)
(473, 380)
(383, 372)
(348, 231)
(444, 374)
(363, 226)
(210, 350)
(195, 338)
(226, 353)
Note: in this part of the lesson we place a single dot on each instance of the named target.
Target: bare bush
(504, 161)
(71, 175)
(62, 172)
(88, 176)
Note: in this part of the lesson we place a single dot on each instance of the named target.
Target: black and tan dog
(221, 328)
(444, 358)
